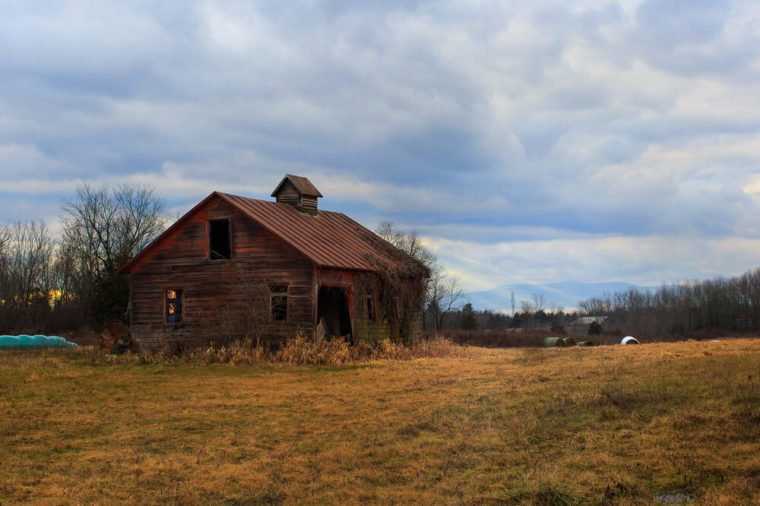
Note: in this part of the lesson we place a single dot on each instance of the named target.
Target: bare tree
(539, 302)
(26, 254)
(528, 311)
(527, 306)
(443, 292)
(29, 257)
(409, 243)
(388, 231)
(104, 228)
(5, 237)
(444, 296)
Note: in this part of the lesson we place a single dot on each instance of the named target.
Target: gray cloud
(589, 119)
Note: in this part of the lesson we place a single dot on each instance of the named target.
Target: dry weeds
(607, 425)
(297, 351)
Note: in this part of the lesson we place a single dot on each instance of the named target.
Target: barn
(235, 267)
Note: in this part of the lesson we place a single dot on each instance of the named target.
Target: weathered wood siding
(308, 204)
(222, 299)
(288, 194)
(366, 329)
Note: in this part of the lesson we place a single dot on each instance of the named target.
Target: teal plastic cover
(24, 341)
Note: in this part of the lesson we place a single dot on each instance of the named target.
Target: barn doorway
(333, 312)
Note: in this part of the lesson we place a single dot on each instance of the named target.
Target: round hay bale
(569, 341)
(584, 343)
(629, 340)
(554, 342)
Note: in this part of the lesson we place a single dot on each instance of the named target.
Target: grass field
(606, 425)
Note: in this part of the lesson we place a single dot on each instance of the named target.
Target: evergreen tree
(467, 320)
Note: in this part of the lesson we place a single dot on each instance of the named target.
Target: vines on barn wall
(362, 287)
(368, 329)
(399, 292)
(401, 284)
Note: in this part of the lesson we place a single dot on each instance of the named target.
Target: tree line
(66, 281)
(62, 283)
(719, 304)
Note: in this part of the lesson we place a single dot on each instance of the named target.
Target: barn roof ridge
(328, 239)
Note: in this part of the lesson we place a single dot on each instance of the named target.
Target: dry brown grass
(297, 351)
(606, 425)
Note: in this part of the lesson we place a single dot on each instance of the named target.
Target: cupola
(299, 192)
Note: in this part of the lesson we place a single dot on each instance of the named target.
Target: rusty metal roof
(302, 184)
(329, 239)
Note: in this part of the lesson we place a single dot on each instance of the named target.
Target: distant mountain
(565, 294)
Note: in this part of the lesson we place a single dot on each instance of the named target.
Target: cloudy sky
(525, 141)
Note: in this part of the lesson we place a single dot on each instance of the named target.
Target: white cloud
(603, 125)
(643, 260)
(21, 162)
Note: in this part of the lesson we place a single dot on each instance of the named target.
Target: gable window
(173, 306)
(219, 241)
(370, 307)
(279, 302)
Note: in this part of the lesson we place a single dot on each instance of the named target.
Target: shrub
(236, 352)
(594, 329)
(302, 351)
(122, 345)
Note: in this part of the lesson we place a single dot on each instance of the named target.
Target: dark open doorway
(333, 313)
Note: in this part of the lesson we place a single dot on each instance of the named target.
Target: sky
(525, 142)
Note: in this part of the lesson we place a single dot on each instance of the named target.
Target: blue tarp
(24, 341)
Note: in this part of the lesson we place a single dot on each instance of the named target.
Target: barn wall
(222, 299)
(367, 330)
(361, 284)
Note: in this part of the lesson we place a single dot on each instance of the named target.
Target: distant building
(581, 325)
(235, 267)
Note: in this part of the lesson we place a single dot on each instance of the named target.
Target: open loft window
(279, 302)
(173, 306)
(219, 241)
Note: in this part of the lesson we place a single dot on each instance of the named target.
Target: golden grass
(297, 351)
(607, 425)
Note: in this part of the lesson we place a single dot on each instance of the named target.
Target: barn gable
(188, 236)
(329, 239)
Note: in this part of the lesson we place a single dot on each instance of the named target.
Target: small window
(173, 306)
(370, 307)
(219, 244)
(279, 302)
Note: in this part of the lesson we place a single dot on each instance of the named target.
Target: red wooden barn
(235, 267)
